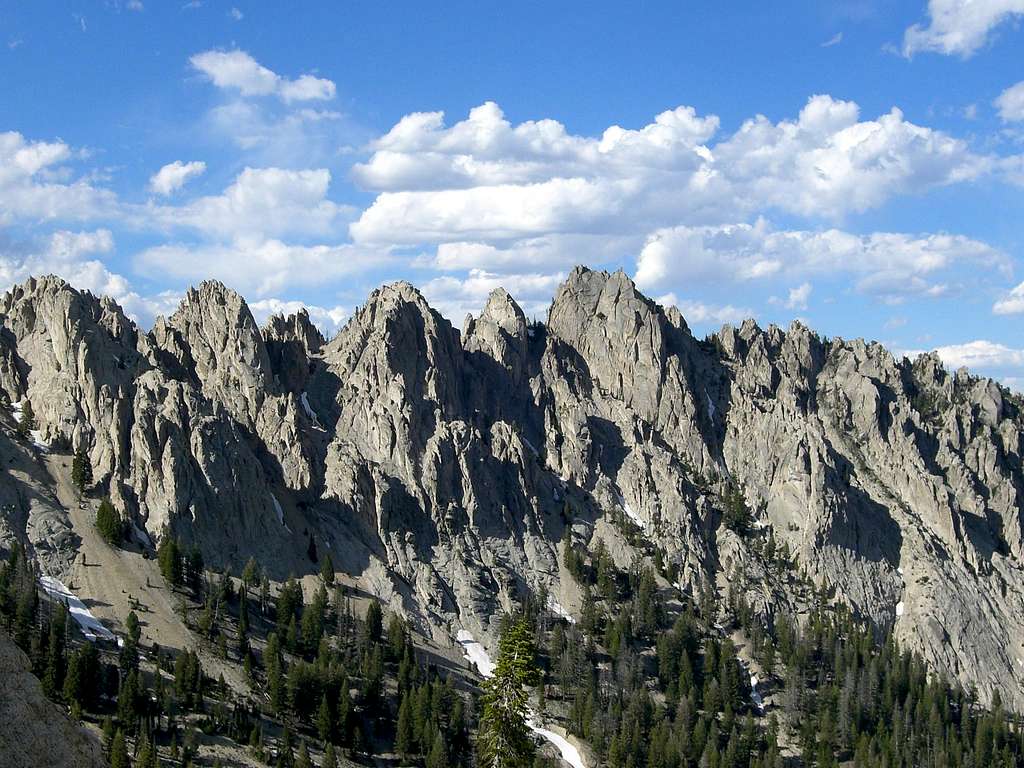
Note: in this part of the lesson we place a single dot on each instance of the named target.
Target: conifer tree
(343, 718)
(504, 738)
(27, 422)
(324, 722)
(327, 569)
(109, 523)
(119, 752)
(438, 757)
(404, 737)
(81, 470)
(170, 560)
(374, 622)
(330, 758)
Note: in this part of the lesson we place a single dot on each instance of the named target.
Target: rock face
(36, 732)
(445, 468)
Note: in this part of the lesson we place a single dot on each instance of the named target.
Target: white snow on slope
(755, 695)
(569, 753)
(91, 626)
(558, 609)
(477, 655)
(35, 434)
(280, 512)
(899, 608)
(630, 512)
(310, 413)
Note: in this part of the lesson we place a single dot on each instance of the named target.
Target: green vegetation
(27, 422)
(648, 677)
(81, 470)
(504, 739)
(109, 523)
(736, 515)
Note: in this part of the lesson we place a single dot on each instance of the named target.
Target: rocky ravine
(443, 468)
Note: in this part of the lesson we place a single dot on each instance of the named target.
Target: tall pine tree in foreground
(504, 738)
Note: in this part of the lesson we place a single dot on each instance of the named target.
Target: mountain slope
(444, 469)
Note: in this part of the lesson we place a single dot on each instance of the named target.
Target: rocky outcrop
(444, 468)
(35, 731)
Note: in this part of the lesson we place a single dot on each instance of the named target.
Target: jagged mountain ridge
(443, 467)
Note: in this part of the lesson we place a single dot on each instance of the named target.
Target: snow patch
(529, 445)
(630, 512)
(899, 608)
(310, 413)
(477, 655)
(711, 406)
(569, 753)
(755, 695)
(91, 626)
(279, 512)
(35, 434)
(559, 610)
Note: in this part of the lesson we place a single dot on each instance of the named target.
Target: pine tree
(285, 755)
(327, 569)
(250, 575)
(344, 714)
(109, 523)
(504, 738)
(374, 622)
(81, 470)
(194, 567)
(404, 737)
(303, 760)
(169, 558)
(324, 722)
(56, 664)
(27, 422)
(119, 752)
(438, 757)
(330, 759)
(146, 755)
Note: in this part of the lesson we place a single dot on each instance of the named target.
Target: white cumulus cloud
(264, 202)
(959, 27)
(260, 267)
(1012, 303)
(173, 176)
(981, 354)
(456, 297)
(328, 319)
(1010, 103)
(486, 180)
(77, 257)
(237, 70)
(798, 296)
(34, 183)
(884, 264)
(701, 313)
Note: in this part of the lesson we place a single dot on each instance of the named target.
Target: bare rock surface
(443, 469)
(36, 731)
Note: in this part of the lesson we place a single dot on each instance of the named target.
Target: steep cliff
(445, 468)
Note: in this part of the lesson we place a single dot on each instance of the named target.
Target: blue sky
(857, 165)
